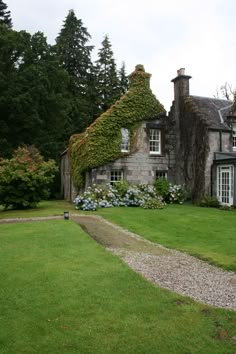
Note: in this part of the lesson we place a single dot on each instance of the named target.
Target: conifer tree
(72, 47)
(123, 80)
(5, 16)
(75, 56)
(33, 96)
(107, 77)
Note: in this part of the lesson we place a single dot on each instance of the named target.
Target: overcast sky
(163, 35)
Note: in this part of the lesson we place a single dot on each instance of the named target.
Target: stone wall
(218, 142)
(139, 166)
(67, 188)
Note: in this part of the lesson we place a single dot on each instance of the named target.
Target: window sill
(156, 155)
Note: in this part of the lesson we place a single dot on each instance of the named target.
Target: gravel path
(38, 218)
(169, 269)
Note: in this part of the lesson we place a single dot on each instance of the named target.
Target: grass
(207, 233)
(45, 208)
(203, 232)
(61, 292)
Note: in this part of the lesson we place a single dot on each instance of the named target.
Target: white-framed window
(225, 184)
(116, 176)
(155, 141)
(234, 136)
(161, 174)
(124, 140)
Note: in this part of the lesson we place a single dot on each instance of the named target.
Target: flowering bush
(171, 193)
(25, 179)
(153, 203)
(176, 193)
(83, 203)
(123, 194)
(119, 194)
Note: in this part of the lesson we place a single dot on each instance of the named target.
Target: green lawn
(204, 232)
(61, 292)
(45, 208)
(207, 233)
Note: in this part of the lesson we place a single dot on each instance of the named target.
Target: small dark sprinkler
(66, 215)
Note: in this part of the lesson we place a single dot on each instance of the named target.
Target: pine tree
(75, 56)
(107, 77)
(10, 55)
(5, 16)
(33, 96)
(71, 46)
(123, 80)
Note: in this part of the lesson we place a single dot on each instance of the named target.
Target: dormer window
(124, 140)
(234, 136)
(155, 142)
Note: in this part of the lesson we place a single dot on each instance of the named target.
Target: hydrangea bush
(171, 193)
(123, 194)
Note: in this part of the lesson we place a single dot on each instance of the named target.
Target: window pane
(234, 136)
(124, 139)
(161, 174)
(155, 141)
(116, 175)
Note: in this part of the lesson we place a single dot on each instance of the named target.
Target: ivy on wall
(194, 138)
(100, 143)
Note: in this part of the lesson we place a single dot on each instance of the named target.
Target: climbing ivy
(194, 147)
(100, 143)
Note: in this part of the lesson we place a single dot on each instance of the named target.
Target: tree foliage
(47, 93)
(107, 76)
(123, 80)
(5, 15)
(33, 95)
(226, 91)
(75, 57)
(25, 178)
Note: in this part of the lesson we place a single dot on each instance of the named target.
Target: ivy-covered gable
(100, 143)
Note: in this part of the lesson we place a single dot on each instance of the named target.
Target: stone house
(205, 133)
(135, 140)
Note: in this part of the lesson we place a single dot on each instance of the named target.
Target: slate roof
(214, 110)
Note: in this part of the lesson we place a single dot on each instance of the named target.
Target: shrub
(228, 208)
(25, 179)
(162, 188)
(171, 193)
(118, 194)
(121, 188)
(153, 203)
(177, 194)
(209, 202)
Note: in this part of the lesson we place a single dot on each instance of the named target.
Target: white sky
(163, 35)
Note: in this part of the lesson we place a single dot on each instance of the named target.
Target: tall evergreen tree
(45, 87)
(75, 56)
(11, 53)
(123, 79)
(5, 15)
(107, 76)
(33, 97)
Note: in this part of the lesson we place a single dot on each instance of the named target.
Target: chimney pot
(181, 71)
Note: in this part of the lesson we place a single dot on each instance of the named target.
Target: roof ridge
(211, 98)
